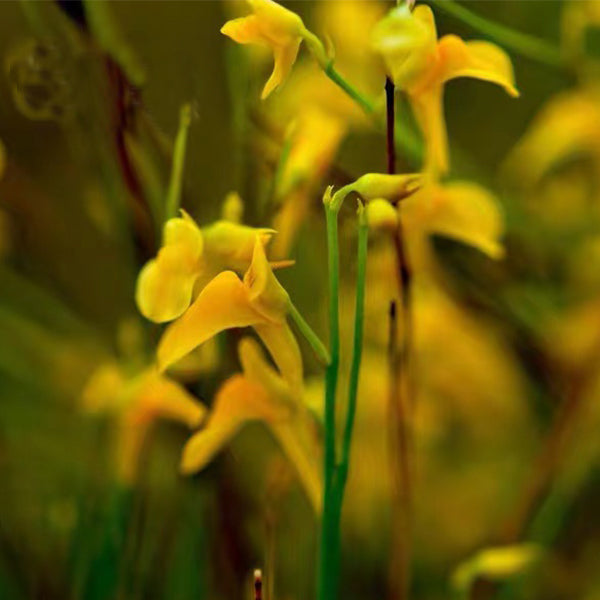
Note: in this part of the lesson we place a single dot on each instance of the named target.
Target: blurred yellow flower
(136, 402)
(314, 141)
(188, 258)
(568, 125)
(258, 301)
(273, 26)
(259, 394)
(420, 65)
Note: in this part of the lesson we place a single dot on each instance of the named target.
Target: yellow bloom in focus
(136, 403)
(420, 64)
(259, 394)
(274, 26)
(259, 301)
(190, 257)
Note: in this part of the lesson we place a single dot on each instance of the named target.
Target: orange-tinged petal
(283, 347)
(222, 304)
(237, 402)
(131, 436)
(284, 59)
(478, 59)
(265, 293)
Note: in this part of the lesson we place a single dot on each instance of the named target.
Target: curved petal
(237, 402)
(163, 294)
(283, 347)
(284, 57)
(481, 60)
(265, 293)
(245, 30)
(470, 214)
(428, 109)
(163, 397)
(222, 304)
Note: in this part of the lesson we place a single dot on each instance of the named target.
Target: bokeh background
(507, 352)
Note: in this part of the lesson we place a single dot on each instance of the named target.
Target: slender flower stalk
(175, 183)
(311, 337)
(399, 392)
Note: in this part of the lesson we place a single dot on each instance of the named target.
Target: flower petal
(283, 347)
(470, 214)
(245, 30)
(284, 57)
(238, 401)
(428, 109)
(481, 60)
(163, 397)
(222, 304)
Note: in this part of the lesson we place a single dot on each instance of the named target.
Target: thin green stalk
(311, 337)
(365, 104)
(522, 43)
(175, 183)
(359, 314)
(329, 551)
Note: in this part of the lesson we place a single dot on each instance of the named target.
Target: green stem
(364, 103)
(522, 43)
(329, 544)
(311, 337)
(175, 183)
(359, 314)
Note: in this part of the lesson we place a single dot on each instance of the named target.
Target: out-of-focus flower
(567, 126)
(190, 257)
(280, 29)
(233, 208)
(260, 393)
(577, 19)
(314, 141)
(259, 301)
(496, 564)
(420, 64)
(137, 402)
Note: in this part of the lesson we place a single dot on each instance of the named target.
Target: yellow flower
(136, 403)
(274, 26)
(460, 210)
(568, 125)
(258, 301)
(190, 257)
(259, 394)
(420, 64)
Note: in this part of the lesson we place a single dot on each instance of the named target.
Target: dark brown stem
(399, 405)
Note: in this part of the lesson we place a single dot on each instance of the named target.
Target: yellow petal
(265, 293)
(429, 112)
(373, 186)
(468, 213)
(481, 60)
(130, 438)
(305, 464)
(284, 57)
(165, 284)
(276, 21)
(257, 369)
(233, 208)
(406, 40)
(102, 390)
(381, 215)
(164, 398)
(221, 305)
(283, 347)
(245, 30)
(238, 401)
